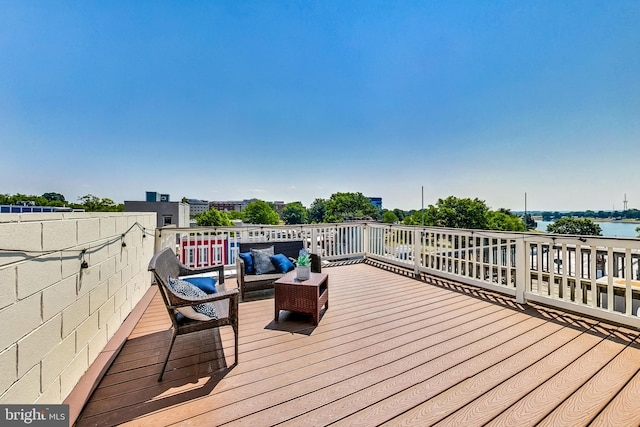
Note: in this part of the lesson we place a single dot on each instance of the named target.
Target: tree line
(89, 202)
(450, 212)
(613, 214)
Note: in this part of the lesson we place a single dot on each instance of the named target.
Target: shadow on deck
(390, 350)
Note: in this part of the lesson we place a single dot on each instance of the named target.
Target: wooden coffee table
(306, 296)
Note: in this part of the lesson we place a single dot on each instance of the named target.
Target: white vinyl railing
(596, 276)
(204, 246)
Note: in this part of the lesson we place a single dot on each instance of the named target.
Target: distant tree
(529, 222)
(504, 220)
(57, 197)
(454, 212)
(212, 218)
(342, 206)
(235, 215)
(389, 217)
(410, 220)
(260, 212)
(399, 213)
(317, 211)
(185, 200)
(638, 231)
(295, 213)
(91, 203)
(576, 226)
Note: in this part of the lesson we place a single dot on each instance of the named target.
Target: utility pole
(526, 222)
(625, 203)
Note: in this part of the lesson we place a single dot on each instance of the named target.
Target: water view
(609, 228)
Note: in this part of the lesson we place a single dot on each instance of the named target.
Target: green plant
(304, 259)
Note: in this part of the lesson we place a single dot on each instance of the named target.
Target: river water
(609, 228)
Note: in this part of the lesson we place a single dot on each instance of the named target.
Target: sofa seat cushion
(262, 277)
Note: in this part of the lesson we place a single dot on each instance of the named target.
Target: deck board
(390, 349)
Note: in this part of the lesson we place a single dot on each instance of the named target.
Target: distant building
(376, 201)
(152, 196)
(236, 205)
(197, 206)
(168, 213)
(29, 208)
(228, 205)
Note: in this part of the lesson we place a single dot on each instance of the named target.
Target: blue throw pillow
(207, 284)
(248, 262)
(282, 263)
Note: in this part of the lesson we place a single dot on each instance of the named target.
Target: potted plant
(303, 265)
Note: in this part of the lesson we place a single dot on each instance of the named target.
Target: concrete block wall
(57, 317)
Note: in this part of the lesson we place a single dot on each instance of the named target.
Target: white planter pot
(303, 273)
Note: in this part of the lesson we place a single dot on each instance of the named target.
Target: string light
(83, 264)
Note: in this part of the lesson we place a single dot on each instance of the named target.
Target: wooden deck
(391, 350)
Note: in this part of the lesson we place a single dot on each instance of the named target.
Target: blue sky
(298, 100)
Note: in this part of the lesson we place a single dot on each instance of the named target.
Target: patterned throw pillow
(262, 260)
(186, 289)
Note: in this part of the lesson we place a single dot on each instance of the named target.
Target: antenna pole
(423, 205)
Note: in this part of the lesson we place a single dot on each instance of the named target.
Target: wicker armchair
(164, 264)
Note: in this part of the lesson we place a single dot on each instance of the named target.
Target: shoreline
(625, 220)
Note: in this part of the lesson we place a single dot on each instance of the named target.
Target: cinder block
(58, 359)
(51, 394)
(107, 227)
(74, 315)
(98, 296)
(88, 279)
(19, 319)
(88, 230)
(58, 297)
(114, 322)
(8, 286)
(97, 344)
(87, 330)
(58, 235)
(122, 224)
(72, 374)
(25, 236)
(106, 312)
(126, 274)
(33, 277)
(26, 389)
(107, 269)
(8, 368)
(121, 296)
(115, 283)
(71, 262)
(34, 346)
(97, 254)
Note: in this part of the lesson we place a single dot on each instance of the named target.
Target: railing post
(365, 239)
(521, 270)
(417, 255)
(313, 245)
